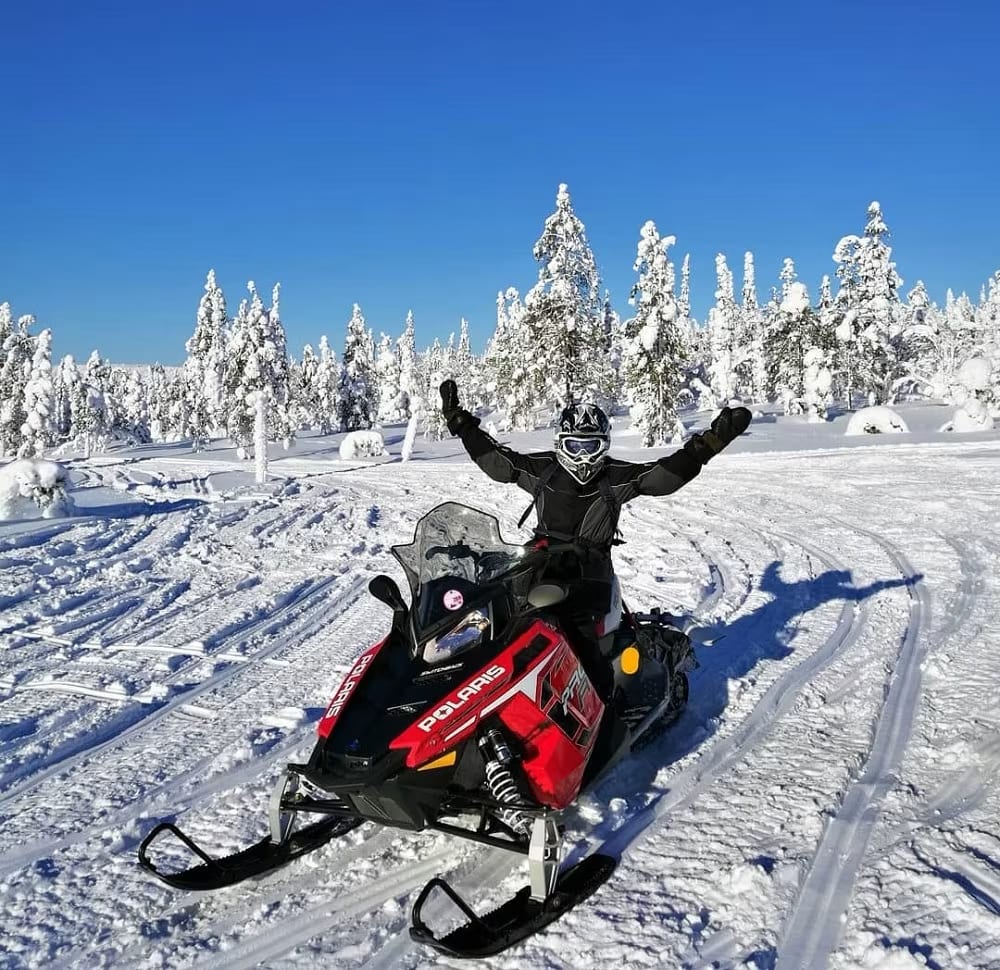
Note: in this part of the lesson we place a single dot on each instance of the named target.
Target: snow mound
(362, 444)
(972, 416)
(876, 420)
(30, 484)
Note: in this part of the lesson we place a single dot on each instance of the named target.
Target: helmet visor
(583, 446)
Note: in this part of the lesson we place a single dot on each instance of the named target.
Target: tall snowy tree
(257, 368)
(723, 326)
(752, 370)
(654, 360)
(39, 399)
(387, 376)
(871, 328)
(564, 308)
(407, 364)
(66, 379)
(205, 366)
(16, 355)
(325, 384)
(358, 390)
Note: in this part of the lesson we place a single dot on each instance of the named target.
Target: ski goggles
(579, 447)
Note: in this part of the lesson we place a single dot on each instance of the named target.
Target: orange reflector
(445, 761)
(630, 660)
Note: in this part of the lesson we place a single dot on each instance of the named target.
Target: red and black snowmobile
(474, 717)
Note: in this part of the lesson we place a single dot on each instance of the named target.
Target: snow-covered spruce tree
(302, 381)
(462, 364)
(436, 368)
(135, 408)
(66, 378)
(257, 365)
(791, 331)
(16, 355)
(515, 364)
(39, 400)
(325, 384)
(564, 308)
(752, 370)
(387, 377)
(654, 358)
(615, 333)
(205, 365)
(358, 391)
(89, 418)
(407, 365)
(870, 329)
(160, 405)
(723, 326)
(499, 360)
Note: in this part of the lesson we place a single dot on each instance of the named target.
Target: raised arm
(501, 463)
(668, 474)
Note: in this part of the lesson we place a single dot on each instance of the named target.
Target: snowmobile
(474, 717)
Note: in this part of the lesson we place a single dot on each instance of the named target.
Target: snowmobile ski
(256, 860)
(515, 920)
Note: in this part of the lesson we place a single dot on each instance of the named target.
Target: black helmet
(583, 440)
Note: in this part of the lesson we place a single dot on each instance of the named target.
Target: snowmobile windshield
(453, 541)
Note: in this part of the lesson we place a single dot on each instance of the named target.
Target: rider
(578, 490)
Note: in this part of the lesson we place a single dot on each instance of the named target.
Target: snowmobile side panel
(456, 715)
(514, 921)
(256, 860)
(343, 695)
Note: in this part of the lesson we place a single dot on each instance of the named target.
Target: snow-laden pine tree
(407, 364)
(436, 368)
(870, 330)
(752, 370)
(39, 400)
(723, 327)
(513, 362)
(462, 365)
(655, 356)
(135, 408)
(325, 385)
(16, 355)
(205, 366)
(257, 365)
(564, 309)
(66, 378)
(160, 405)
(790, 333)
(302, 380)
(387, 376)
(358, 390)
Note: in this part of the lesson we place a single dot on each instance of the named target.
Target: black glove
(456, 417)
(728, 425)
(449, 398)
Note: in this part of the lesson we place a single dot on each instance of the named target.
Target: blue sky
(404, 155)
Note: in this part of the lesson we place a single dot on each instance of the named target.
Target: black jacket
(566, 510)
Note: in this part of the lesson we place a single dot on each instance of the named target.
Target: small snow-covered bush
(29, 482)
(362, 444)
(972, 416)
(876, 420)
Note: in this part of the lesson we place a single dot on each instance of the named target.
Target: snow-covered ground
(828, 799)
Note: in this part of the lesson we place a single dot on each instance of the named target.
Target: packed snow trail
(165, 658)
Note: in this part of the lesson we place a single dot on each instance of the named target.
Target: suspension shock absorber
(500, 779)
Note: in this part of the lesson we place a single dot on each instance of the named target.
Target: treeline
(866, 342)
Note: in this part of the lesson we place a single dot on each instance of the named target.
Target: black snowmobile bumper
(514, 921)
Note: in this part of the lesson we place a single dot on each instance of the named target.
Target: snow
(32, 487)
(362, 444)
(829, 798)
(975, 374)
(876, 420)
